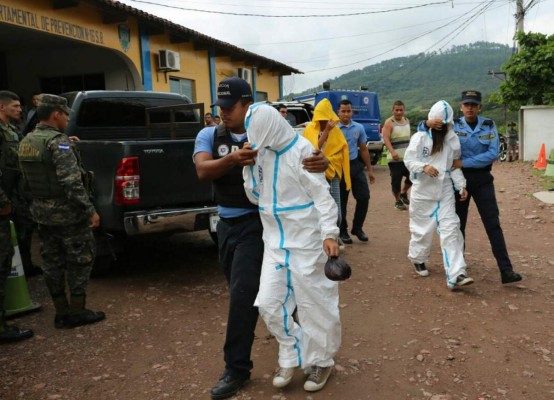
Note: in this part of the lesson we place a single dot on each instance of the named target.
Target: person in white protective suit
(299, 217)
(429, 159)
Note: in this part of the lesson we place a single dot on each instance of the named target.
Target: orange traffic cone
(541, 161)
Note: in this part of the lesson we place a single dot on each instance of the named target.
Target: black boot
(10, 333)
(78, 315)
(62, 309)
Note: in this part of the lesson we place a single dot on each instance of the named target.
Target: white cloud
(305, 44)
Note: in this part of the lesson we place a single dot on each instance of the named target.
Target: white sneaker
(283, 377)
(317, 379)
(341, 244)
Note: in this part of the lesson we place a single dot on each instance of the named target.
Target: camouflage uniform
(67, 242)
(7, 136)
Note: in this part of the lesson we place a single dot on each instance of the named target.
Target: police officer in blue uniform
(479, 140)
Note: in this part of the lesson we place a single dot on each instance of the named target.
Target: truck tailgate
(167, 174)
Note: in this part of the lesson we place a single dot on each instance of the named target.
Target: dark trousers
(241, 251)
(398, 171)
(480, 187)
(360, 190)
(6, 254)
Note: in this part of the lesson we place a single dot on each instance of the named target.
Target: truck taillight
(380, 130)
(127, 181)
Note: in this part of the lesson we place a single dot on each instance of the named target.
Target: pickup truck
(139, 147)
(365, 106)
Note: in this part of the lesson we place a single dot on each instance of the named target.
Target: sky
(327, 38)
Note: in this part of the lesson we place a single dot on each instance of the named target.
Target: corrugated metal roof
(200, 41)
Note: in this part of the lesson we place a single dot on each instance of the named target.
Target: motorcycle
(502, 149)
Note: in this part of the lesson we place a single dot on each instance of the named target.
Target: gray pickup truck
(139, 146)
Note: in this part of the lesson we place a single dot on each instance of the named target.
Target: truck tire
(102, 265)
(375, 157)
(213, 235)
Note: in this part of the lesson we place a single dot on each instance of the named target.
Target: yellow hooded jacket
(335, 148)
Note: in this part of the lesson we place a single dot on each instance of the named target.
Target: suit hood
(267, 129)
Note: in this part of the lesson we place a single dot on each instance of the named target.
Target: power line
(339, 37)
(293, 16)
(401, 44)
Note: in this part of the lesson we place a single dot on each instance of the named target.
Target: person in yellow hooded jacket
(325, 135)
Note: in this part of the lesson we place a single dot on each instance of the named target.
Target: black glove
(337, 269)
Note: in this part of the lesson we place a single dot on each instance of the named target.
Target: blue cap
(231, 90)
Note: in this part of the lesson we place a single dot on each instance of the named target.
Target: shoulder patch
(63, 147)
(457, 120)
(488, 122)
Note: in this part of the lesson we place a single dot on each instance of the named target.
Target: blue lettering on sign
(18, 16)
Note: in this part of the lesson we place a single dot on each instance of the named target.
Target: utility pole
(521, 10)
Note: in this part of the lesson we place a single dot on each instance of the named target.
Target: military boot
(62, 309)
(11, 333)
(78, 315)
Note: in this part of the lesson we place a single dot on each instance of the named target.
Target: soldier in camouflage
(63, 210)
(10, 109)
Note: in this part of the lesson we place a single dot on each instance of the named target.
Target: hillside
(422, 79)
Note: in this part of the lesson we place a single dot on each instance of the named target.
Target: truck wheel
(102, 265)
(375, 158)
(213, 235)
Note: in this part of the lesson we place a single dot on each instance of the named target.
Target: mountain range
(422, 79)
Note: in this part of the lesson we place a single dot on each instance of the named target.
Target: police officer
(10, 110)
(63, 211)
(479, 140)
(220, 154)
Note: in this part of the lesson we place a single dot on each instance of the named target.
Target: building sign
(29, 19)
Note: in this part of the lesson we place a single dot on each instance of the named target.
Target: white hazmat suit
(298, 213)
(432, 201)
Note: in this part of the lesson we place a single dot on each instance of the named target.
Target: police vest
(37, 166)
(9, 165)
(229, 189)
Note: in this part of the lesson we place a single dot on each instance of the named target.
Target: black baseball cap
(471, 96)
(231, 90)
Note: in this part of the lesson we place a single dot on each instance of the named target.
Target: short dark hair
(208, 113)
(7, 97)
(345, 102)
(398, 103)
(282, 106)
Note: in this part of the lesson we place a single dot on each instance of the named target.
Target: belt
(488, 168)
(242, 218)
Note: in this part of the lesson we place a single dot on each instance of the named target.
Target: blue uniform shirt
(354, 134)
(479, 145)
(205, 143)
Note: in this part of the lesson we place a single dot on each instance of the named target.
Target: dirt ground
(404, 337)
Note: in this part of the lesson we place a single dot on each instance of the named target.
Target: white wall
(536, 127)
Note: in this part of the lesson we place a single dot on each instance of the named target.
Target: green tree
(530, 73)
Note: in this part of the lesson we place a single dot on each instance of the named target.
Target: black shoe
(59, 321)
(359, 234)
(13, 334)
(404, 198)
(510, 277)
(345, 237)
(83, 317)
(420, 269)
(227, 386)
(461, 280)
